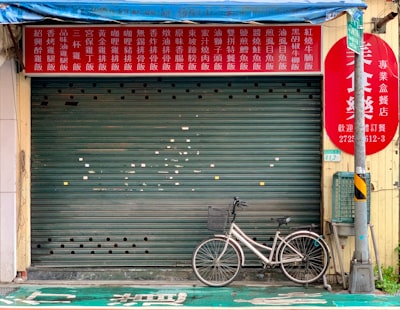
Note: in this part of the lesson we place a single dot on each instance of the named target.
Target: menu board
(178, 49)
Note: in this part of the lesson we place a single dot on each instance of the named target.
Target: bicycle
(303, 255)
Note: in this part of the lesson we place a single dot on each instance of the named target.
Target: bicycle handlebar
(237, 203)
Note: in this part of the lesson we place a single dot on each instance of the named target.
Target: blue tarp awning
(175, 11)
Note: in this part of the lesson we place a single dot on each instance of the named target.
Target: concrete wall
(8, 158)
(23, 108)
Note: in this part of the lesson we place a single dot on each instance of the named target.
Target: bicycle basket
(217, 219)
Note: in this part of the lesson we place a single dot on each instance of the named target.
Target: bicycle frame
(235, 233)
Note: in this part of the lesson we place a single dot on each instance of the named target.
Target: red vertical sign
(380, 95)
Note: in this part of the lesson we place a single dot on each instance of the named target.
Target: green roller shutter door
(123, 169)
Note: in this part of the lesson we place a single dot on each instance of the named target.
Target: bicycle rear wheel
(213, 264)
(304, 258)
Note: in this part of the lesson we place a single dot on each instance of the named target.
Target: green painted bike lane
(164, 297)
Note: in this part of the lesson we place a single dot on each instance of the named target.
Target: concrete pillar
(8, 157)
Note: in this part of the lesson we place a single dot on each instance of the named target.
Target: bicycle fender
(302, 232)
(235, 244)
(321, 238)
(311, 233)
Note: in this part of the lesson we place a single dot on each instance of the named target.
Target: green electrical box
(343, 197)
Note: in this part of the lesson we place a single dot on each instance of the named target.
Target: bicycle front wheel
(216, 262)
(304, 258)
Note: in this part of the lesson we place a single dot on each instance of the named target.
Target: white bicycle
(303, 255)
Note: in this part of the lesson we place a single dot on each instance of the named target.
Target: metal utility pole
(361, 278)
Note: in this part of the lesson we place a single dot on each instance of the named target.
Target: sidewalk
(185, 295)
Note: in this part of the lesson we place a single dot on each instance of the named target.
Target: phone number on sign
(368, 138)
